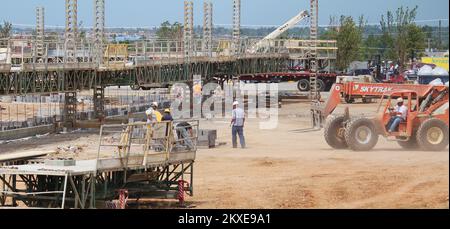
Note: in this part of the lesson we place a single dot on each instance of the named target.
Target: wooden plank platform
(102, 165)
(23, 155)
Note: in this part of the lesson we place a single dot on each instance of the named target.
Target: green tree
(331, 33)
(168, 31)
(416, 41)
(5, 30)
(349, 41)
(397, 31)
(371, 47)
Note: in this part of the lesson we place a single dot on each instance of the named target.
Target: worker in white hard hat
(156, 113)
(399, 114)
(237, 122)
(154, 105)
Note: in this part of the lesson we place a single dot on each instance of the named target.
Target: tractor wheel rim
(341, 133)
(435, 135)
(363, 135)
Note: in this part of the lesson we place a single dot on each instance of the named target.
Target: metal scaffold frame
(188, 33)
(99, 103)
(99, 29)
(208, 28)
(70, 109)
(149, 161)
(40, 33)
(71, 31)
(314, 14)
(236, 27)
(188, 38)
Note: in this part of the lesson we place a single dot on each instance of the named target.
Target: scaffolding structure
(208, 28)
(40, 32)
(71, 31)
(149, 161)
(236, 27)
(188, 35)
(99, 29)
(314, 14)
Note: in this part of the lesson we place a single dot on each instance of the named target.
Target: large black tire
(361, 135)
(303, 85)
(411, 143)
(432, 135)
(334, 132)
(320, 85)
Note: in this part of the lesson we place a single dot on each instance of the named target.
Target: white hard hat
(155, 104)
(235, 103)
(400, 100)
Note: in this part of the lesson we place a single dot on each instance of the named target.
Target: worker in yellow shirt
(156, 113)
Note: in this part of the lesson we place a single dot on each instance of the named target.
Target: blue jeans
(394, 123)
(187, 139)
(238, 130)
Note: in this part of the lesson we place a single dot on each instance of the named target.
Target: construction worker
(151, 117)
(237, 122)
(185, 134)
(167, 116)
(157, 114)
(399, 114)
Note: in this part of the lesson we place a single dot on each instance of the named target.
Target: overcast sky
(147, 13)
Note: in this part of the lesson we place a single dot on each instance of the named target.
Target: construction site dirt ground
(282, 168)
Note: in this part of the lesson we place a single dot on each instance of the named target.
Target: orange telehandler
(426, 125)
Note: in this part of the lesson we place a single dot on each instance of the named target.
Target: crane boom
(280, 30)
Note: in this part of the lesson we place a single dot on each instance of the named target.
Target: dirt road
(282, 168)
(285, 169)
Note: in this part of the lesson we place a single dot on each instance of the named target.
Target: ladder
(314, 93)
